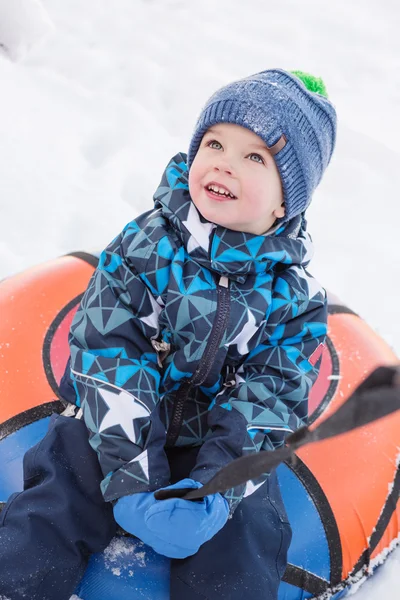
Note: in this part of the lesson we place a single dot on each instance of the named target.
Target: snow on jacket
(193, 334)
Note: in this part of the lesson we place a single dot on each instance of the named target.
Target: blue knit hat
(297, 124)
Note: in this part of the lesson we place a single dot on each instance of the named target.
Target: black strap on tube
(377, 397)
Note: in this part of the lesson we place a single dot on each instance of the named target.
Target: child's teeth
(221, 191)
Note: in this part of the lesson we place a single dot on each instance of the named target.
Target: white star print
(314, 288)
(124, 408)
(251, 488)
(152, 318)
(143, 460)
(308, 246)
(200, 232)
(243, 338)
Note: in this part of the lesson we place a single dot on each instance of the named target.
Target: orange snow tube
(36, 310)
(358, 472)
(342, 493)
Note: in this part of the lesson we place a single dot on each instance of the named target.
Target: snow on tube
(341, 494)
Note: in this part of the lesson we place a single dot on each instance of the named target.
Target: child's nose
(224, 166)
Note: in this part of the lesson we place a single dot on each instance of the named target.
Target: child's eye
(260, 157)
(213, 142)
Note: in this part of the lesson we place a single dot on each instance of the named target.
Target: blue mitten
(130, 511)
(130, 514)
(175, 528)
(180, 526)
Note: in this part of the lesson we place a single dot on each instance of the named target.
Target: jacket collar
(223, 250)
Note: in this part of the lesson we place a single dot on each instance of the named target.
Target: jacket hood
(231, 253)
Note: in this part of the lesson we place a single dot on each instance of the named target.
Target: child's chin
(226, 224)
(216, 216)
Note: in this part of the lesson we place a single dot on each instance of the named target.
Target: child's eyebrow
(258, 146)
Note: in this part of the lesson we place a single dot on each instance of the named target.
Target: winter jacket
(193, 334)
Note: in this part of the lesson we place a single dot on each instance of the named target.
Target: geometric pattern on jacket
(193, 334)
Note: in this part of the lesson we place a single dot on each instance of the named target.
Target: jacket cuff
(233, 496)
(134, 476)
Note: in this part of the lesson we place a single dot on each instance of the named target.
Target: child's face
(231, 155)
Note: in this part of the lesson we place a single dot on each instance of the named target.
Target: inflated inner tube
(341, 495)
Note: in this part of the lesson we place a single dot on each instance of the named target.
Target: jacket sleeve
(116, 376)
(270, 398)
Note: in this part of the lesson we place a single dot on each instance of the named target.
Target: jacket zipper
(206, 363)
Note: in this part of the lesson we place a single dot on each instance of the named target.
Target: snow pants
(49, 531)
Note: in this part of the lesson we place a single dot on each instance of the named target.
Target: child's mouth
(218, 197)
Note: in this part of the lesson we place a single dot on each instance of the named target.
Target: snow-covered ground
(96, 96)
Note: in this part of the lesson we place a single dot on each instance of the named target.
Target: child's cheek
(192, 186)
(194, 182)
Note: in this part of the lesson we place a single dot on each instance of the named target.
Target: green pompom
(314, 84)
